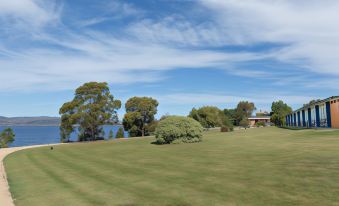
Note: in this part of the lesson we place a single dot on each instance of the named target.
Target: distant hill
(29, 121)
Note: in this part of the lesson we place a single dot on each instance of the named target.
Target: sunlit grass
(266, 166)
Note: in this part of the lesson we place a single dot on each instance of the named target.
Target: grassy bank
(265, 166)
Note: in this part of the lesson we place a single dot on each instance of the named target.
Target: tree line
(94, 106)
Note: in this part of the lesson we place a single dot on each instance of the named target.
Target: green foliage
(260, 124)
(151, 127)
(164, 116)
(140, 112)
(243, 111)
(231, 114)
(280, 110)
(176, 129)
(120, 133)
(244, 123)
(110, 135)
(92, 107)
(210, 117)
(7, 136)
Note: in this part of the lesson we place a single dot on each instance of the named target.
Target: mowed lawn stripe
(74, 188)
(267, 166)
(131, 172)
(106, 178)
(29, 174)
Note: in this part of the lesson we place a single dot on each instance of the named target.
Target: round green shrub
(176, 129)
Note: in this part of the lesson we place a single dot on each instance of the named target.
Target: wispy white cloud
(176, 29)
(28, 14)
(95, 56)
(149, 46)
(308, 28)
(113, 10)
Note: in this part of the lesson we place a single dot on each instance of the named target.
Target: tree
(92, 107)
(243, 111)
(279, 112)
(210, 117)
(110, 135)
(231, 114)
(244, 123)
(7, 136)
(120, 133)
(140, 112)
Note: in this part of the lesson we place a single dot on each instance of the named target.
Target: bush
(226, 129)
(260, 124)
(150, 128)
(176, 129)
(120, 133)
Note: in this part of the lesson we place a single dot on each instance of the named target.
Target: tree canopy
(243, 111)
(279, 112)
(210, 117)
(92, 107)
(140, 112)
(7, 136)
(231, 114)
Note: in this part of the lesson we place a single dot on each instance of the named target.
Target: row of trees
(211, 116)
(93, 106)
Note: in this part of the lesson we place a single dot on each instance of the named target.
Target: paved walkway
(5, 195)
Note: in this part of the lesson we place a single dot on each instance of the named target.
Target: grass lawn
(266, 166)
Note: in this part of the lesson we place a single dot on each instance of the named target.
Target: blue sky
(187, 53)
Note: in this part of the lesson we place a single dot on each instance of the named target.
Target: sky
(184, 53)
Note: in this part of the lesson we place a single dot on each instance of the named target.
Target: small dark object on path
(52, 148)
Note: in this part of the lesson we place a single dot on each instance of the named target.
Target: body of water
(35, 135)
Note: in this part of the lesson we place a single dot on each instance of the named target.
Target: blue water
(34, 135)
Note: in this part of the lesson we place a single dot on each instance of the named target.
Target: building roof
(263, 117)
(316, 103)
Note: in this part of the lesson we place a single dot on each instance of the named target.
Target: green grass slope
(266, 166)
